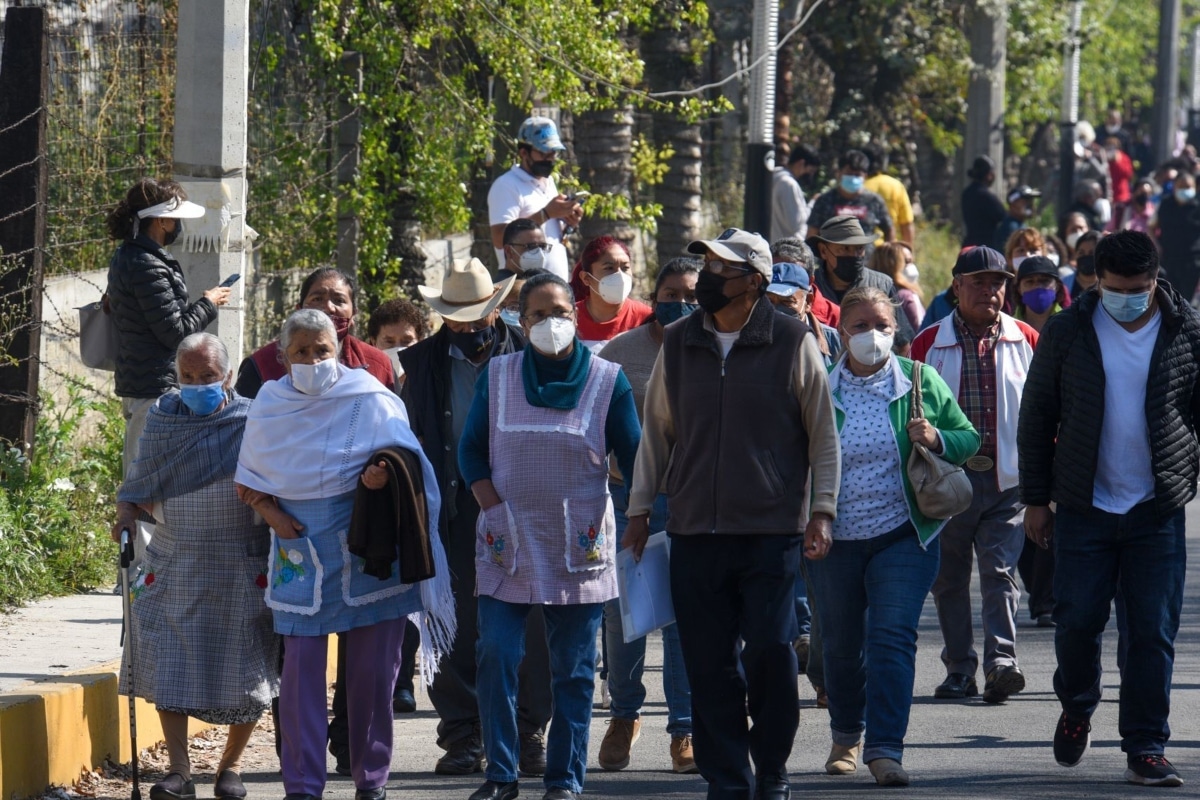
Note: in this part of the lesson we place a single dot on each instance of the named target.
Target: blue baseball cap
(541, 134)
(788, 278)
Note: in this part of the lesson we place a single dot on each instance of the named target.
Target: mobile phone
(231, 280)
(580, 197)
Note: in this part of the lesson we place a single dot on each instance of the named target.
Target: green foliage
(56, 506)
(938, 246)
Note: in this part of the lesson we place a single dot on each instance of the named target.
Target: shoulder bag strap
(916, 411)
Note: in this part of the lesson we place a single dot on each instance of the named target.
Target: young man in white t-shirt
(1108, 433)
(528, 192)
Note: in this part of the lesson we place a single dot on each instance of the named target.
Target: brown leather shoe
(888, 772)
(618, 742)
(682, 759)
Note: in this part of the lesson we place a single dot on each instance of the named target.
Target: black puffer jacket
(149, 303)
(1062, 409)
(426, 395)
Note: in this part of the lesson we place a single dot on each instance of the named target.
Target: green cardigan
(959, 436)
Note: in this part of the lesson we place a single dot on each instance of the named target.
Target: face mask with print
(853, 184)
(511, 317)
(552, 335)
(1125, 307)
(472, 344)
(203, 399)
(315, 379)
(871, 347)
(532, 259)
(668, 312)
(615, 288)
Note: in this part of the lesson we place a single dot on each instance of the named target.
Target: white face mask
(315, 379)
(532, 259)
(616, 287)
(1073, 239)
(552, 335)
(871, 347)
(911, 273)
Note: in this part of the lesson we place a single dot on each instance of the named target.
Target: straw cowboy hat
(468, 293)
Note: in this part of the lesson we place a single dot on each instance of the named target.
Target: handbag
(942, 489)
(98, 342)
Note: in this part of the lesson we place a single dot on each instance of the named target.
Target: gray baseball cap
(737, 247)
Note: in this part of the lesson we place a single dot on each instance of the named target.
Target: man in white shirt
(789, 207)
(1108, 433)
(527, 191)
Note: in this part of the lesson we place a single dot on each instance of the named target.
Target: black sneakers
(1071, 740)
(1149, 769)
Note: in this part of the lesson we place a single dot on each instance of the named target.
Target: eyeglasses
(538, 316)
(716, 265)
(526, 247)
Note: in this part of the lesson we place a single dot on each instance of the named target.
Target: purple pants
(372, 663)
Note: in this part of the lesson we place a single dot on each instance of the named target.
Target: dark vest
(740, 462)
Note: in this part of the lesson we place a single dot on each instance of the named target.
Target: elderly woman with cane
(323, 444)
(204, 643)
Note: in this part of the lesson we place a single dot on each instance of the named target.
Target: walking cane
(126, 560)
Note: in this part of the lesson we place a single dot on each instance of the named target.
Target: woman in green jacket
(881, 561)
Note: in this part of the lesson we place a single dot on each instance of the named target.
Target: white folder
(644, 588)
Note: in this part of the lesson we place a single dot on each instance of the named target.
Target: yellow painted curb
(53, 730)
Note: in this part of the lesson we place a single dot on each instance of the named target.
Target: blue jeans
(1096, 553)
(627, 661)
(803, 612)
(571, 637)
(869, 595)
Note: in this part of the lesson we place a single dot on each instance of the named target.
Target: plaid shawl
(180, 452)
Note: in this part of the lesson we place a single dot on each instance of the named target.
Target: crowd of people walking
(824, 450)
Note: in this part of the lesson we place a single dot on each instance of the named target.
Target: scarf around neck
(180, 452)
(562, 394)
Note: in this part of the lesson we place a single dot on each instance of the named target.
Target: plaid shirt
(977, 392)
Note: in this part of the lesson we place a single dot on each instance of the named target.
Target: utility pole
(1193, 103)
(760, 152)
(1166, 82)
(211, 85)
(985, 92)
(349, 132)
(1070, 109)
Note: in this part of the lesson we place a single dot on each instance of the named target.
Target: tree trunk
(604, 149)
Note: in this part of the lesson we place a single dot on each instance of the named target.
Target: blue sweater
(622, 430)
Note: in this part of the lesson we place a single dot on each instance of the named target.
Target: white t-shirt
(517, 194)
(1124, 473)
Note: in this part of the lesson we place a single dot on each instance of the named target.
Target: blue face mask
(511, 316)
(204, 399)
(668, 312)
(1185, 195)
(1125, 307)
(853, 183)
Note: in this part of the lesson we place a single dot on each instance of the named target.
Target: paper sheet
(644, 588)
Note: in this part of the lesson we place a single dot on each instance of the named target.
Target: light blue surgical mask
(203, 399)
(1125, 307)
(511, 316)
(853, 183)
(1185, 195)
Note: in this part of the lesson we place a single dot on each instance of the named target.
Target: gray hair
(796, 252)
(203, 342)
(306, 319)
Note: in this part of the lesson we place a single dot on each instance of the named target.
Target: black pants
(728, 588)
(453, 689)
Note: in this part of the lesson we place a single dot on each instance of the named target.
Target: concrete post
(985, 93)
(349, 132)
(212, 59)
(1166, 83)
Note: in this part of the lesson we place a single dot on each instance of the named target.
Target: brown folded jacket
(393, 520)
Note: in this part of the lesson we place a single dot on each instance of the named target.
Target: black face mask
(848, 268)
(787, 311)
(170, 238)
(542, 169)
(472, 343)
(710, 291)
(1086, 265)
